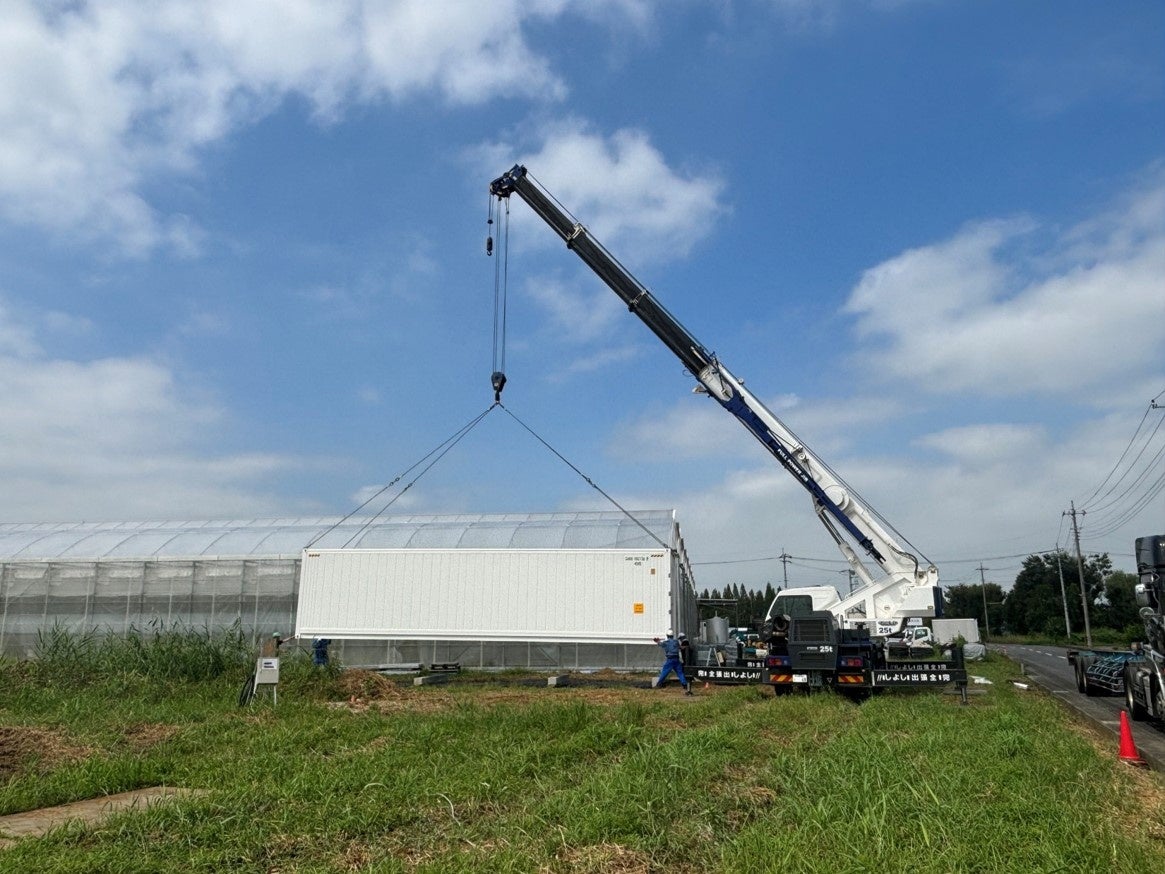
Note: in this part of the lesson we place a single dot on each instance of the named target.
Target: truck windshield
(794, 605)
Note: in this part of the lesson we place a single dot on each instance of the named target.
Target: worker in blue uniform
(319, 651)
(671, 661)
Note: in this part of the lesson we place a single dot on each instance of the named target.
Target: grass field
(354, 772)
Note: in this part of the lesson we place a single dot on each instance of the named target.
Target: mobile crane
(816, 637)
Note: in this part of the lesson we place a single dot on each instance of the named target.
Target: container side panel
(552, 596)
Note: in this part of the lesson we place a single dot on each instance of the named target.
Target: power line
(1143, 480)
(795, 559)
(1115, 467)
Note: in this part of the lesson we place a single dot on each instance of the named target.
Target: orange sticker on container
(638, 608)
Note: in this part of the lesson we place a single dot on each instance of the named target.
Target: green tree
(1035, 604)
(965, 601)
(1120, 608)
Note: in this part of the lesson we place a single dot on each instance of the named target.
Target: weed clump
(63, 657)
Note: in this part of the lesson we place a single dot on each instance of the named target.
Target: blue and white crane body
(894, 584)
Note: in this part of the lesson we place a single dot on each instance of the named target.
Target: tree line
(748, 607)
(1046, 585)
(1035, 605)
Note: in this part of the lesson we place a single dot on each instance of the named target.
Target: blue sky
(242, 268)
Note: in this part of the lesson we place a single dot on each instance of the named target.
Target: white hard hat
(670, 633)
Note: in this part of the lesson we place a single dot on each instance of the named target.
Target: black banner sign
(714, 674)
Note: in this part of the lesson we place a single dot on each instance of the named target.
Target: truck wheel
(1156, 700)
(1090, 690)
(1136, 709)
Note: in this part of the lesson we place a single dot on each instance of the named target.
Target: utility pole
(784, 557)
(1080, 570)
(983, 589)
(1063, 594)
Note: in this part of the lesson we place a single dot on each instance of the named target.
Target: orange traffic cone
(1128, 751)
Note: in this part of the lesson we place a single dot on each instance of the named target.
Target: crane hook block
(499, 382)
(489, 245)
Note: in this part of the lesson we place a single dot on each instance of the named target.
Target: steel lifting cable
(440, 450)
(586, 478)
(501, 289)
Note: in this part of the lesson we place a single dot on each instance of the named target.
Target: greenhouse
(122, 577)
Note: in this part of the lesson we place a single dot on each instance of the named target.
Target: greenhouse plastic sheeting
(120, 596)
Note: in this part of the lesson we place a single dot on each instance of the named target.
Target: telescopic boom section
(638, 299)
(831, 496)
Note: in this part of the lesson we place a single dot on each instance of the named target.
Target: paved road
(1047, 667)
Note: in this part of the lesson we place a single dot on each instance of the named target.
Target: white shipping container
(616, 596)
(946, 630)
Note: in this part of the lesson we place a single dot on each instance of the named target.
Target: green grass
(487, 776)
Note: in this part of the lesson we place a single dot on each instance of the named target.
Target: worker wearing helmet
(671, 662)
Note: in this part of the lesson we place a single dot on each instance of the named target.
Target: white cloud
(116, 436)
(369, 395)
(98, 98)
(984, 445)
(619, 186)
(469, 52)
(823, 15)
(15, 338)
(574, 316)
(630, 199)
(584, 326)
(697, 427)
(978, 313)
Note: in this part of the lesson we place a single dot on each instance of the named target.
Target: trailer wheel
(1136, 709)
(1090, 690)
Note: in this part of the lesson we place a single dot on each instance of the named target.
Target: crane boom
(901, 592)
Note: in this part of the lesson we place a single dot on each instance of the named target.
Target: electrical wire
(1085, 501)
(1119, 499)
(1095, 508)
(1130, 512)
(1111, 509)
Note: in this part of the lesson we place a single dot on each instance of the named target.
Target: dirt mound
(368, 686)
(144, 735)
(22, 747)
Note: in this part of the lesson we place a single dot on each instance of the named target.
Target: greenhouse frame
(125, 577)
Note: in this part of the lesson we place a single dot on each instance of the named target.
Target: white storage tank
(716, 629)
